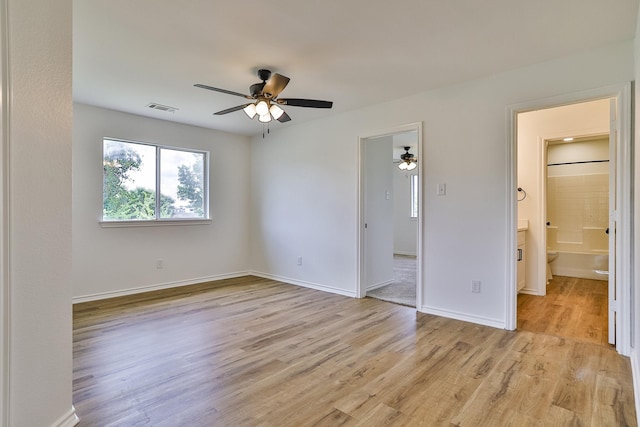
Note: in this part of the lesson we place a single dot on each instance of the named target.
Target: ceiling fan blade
(284, 118)
(229, 92)
(230, 110)
(298, 102)
(275, 85)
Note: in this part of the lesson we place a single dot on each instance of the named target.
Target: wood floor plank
(386, 416)
(256, 352)
(573, 308)
(611, 403)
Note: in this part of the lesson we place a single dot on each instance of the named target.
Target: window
(414, 196)
(135, 173)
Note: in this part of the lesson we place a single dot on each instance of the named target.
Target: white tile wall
(575, 202)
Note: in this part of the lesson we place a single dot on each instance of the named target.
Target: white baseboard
(168, 285)
(157, 287)
(635, 375)
(529, 291)
(379, 285)
(304, 284)
(494, 323)
(69, 419)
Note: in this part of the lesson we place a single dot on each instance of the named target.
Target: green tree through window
(130, 180)
(190, 187)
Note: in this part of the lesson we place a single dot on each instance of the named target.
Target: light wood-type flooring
(256, 352)
(573, 308)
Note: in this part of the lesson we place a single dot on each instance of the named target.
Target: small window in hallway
(414, 196)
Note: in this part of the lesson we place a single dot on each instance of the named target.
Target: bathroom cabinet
(521, 271)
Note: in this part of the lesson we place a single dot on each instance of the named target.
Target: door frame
(543, 146)
(360, 288)
(622, 94)
(543, 142)
(5, 283)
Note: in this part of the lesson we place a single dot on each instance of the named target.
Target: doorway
(571, 299)
(390, 216)
(616, 123)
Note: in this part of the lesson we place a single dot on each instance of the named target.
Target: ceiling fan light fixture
(262, 108)
(250, 110)
(276, 111)
(265, 118)
(407, 160)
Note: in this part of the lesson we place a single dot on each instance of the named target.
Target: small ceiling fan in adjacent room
(264, 99)
(407, 160)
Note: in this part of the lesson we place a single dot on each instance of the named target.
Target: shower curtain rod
(577, 163)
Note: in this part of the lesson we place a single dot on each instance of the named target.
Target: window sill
(160, 223)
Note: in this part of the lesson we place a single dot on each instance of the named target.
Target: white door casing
(623, 243)
(613, 215)
(362, 220)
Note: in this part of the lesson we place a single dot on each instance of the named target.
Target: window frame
(159, 221)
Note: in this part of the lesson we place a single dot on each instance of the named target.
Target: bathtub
(583, 265)
(588, 259)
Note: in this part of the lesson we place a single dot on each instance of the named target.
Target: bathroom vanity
(521, 276)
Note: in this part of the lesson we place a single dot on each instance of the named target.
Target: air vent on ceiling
(161, 107)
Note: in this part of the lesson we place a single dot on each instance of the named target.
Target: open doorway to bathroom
(390, 215)
(565, 174)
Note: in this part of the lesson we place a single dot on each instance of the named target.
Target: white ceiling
(353, 52)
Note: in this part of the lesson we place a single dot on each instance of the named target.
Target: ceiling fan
(265, 102)
(407, 160)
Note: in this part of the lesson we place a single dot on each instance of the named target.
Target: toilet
(551, 256)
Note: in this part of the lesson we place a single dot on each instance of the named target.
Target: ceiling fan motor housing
(406, 156)
(256, 89)
(264, 74)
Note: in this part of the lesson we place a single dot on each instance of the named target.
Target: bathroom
(564, 181)
(578, 207)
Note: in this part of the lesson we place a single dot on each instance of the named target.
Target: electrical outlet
(299, 260)
(159, 264)
(475, 286)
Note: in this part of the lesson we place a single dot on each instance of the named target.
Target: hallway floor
(573, 308)
(403, 289)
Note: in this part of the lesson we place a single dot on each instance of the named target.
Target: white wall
(114, 261)
(378, 206)
(580, 151)
(37, 232)
(589, 118)
(303, 205)
(310, 205)
(405, 228)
